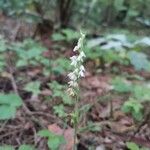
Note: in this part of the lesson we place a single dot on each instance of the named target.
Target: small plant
(33, 87)
(54, 140)
(60, 111)
(60, 66)
(28, 52)
(121, 85)
(8, 105)
(134, 107)
(74, 76)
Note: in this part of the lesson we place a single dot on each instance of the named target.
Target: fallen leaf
(97, 83)
(120, 128)
(46, 92)
(34, 72)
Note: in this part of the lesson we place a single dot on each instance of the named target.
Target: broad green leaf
(21, 63)
(55, 142)
(70, 34)
(58, 37)
(60, 111)
(26, 147)
(55, 86)
(10, 99)
(121, 85)
(7, 112)
(144, 41)
(141, 92)
(134, 107)
(33, 87)
(133, 13)
(119, 5)
(3, 46)
(44, 133)
(6, 147)
(66, 98)
(132, 146)
(139, 60)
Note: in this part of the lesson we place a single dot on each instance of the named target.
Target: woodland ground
(103, 123)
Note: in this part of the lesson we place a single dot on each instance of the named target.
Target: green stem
(76, 121)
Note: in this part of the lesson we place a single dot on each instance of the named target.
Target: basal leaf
(10, 99)
(132, 146)
(7, 112)
(26, 147)
(7, 147)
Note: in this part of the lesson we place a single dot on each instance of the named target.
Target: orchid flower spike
(77, 65)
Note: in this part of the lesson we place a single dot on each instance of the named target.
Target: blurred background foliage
(75, 13)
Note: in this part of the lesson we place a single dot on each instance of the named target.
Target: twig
(14, 85)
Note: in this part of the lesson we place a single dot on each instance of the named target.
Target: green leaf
(66, 98)
(132, 13)
(21, 63)
(26, 147)
(55, 86)
(7, 112)
(10, 99)
(44, 133)
(134, 107)
(139, 60)
(58, 37)
(141, 92)
(8, 105)
(70, 34)
(119, 5)
(3, 46)
(7, 147)
(65, 35)
(132, 146)
(60, 111)
(121, 85)
(33, 87)
(55, 142)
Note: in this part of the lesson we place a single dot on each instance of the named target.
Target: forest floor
(103, 124)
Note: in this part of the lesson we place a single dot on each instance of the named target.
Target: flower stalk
(78, 71)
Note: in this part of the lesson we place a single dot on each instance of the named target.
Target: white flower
(82, 68)
(76, 48)
(73, 84)
(78, 68)
(72, 76)
(81, 56)
(71, 92)
(74, 60)
(82, 71)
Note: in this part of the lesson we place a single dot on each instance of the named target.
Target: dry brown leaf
(120, 128)
(97, 83)
(46, 92)
(34, 72)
